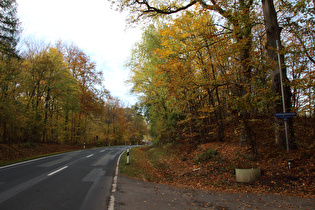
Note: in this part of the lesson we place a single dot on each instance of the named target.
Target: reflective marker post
(127, 156)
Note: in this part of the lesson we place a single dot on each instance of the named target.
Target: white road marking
(54, 172)
(111, 204)
(102, 150)
(89, 156)
(29, 161)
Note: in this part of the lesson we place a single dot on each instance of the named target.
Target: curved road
(74, 180)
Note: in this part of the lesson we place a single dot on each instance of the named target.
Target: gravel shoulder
(137, 194)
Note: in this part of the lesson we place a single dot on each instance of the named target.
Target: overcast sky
(91, 25)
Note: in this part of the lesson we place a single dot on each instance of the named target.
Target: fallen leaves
(218, 173)
(15, 152)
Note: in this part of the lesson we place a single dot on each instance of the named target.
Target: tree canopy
(54, 93)
(9, 27)
(213, 65)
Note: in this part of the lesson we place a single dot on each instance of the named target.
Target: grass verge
(140, 166)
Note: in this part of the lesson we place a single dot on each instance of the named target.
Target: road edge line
(111, 204)
(34, 160)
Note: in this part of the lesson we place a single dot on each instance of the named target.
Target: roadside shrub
(206, 156)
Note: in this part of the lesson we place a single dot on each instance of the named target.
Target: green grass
(136, 165)
(128, 169)
(147, 163)
(155, 156)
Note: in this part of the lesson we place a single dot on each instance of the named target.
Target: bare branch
(168, 10)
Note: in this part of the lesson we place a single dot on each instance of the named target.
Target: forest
(54, 93)
(208, 75)
(204, 71)
(209, 70)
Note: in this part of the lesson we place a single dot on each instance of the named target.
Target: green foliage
(137, 167)
(9, 28)
(206, 156)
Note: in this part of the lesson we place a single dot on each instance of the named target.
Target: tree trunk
(273, 35)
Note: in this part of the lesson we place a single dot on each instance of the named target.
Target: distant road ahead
(74, 180)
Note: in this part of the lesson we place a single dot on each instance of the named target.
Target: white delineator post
(127, 156)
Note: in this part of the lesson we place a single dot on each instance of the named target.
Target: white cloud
(92, 26)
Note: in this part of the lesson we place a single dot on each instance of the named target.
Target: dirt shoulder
(138, 194)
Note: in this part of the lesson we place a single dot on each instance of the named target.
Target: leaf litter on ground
(215, 170)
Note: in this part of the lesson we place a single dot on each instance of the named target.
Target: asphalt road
(74, 180)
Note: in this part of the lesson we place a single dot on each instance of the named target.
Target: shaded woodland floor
(211, 167)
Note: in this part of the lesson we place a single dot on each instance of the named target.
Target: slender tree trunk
(273, 35)
(218, 111)
(220, 122)
(244, 41)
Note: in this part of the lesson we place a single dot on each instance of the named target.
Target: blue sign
(285, 115)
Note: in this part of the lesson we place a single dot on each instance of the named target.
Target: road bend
(74, 180)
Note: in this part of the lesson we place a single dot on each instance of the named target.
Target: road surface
(74, 180)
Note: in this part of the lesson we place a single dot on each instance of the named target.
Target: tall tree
(273, 32)
(85, 72)
(9, 66)
(239, 16)
(9, 27)
(298, 21)
(242, 16)
(10, 69)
